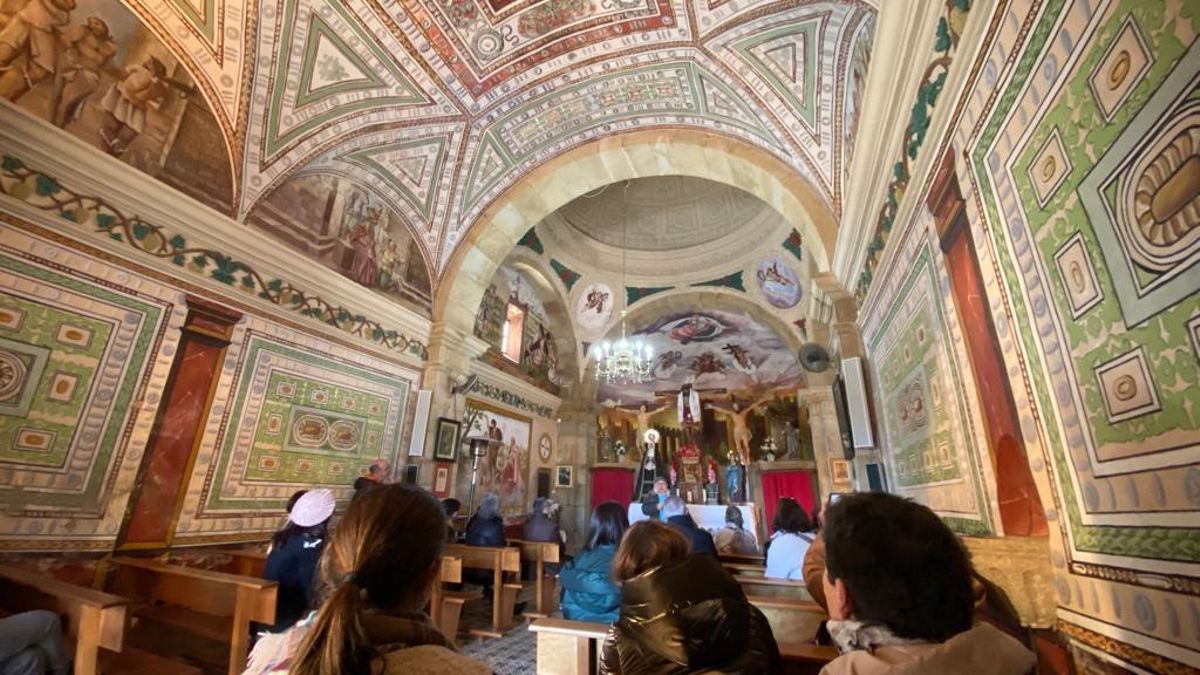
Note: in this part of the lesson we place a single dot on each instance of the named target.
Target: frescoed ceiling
(713, 349)
(437, 106)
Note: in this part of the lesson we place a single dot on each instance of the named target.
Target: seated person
(588, 590)
(485, 528)
(652, 502)
(682, 613)
(295, 551)
(733, 538)
(539, 526)
(898, 584)
(377, 474)
(31, 643)
(451, 506)
(789, 543)
(380, 565)
(701, 542)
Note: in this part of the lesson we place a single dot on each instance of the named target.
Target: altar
(709, 517)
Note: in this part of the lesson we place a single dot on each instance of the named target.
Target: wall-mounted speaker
(416, 444)
(857, 407)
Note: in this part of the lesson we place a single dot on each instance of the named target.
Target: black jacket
(485, 531)
(688, 617)
(539, 527)
(701, 541)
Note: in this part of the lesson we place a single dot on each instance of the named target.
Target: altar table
(709, 517)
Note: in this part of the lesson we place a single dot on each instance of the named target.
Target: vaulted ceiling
(437, 106)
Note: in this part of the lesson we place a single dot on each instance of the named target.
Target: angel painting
(666, 363)
(741, 357)
(597, 300)
(708, 362)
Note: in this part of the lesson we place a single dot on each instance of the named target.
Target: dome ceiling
(661, 214)
(438, 106)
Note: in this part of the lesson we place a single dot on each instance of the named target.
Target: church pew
(214, 605)
(500, 562)
(791, 620)
(743, 559)
(445, 609)
(246, 562)
(94, 620)
(744, 569)
(780, 588)
(568, 647)
(540, 553)
(804, 658)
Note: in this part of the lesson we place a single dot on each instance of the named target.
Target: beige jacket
(983, 650)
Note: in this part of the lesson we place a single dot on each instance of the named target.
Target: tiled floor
(513, 654)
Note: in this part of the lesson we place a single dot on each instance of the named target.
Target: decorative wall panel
(291, 413)
(84, 354)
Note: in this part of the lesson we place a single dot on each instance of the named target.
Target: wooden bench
(791, 620)
(246, 562)
(743, 559)
(445, 609)
(744, 569)
(568, 647)
(499, 561)
(540, 553)
(94, 619)
(780, 588)
(215, 605)
(805, 658)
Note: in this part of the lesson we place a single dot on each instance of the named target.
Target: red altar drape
(612, 484)
(795, 484)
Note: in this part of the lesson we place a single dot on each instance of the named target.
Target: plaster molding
(498, 378)
(79, 165)
(902, 47)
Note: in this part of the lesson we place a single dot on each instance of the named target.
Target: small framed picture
(839, 470)
(445, 445)
(441, 480)
(564, 476)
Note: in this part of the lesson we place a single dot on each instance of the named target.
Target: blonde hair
(382, 555)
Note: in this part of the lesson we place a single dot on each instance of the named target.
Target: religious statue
(688, 404)
(641, 418)
(711, 489)
(690, 474)
(735, 474)
(650, 468)
(741, 431)
(791, 441)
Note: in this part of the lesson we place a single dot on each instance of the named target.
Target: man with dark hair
(679, 519)
(377, 474)
(898, 584)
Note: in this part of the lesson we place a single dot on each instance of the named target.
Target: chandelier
(624, 361)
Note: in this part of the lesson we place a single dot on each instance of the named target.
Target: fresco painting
(92, 68)
(505, 471)
(350, 229)
(779, 283)
(715, 348)
(539, 353)
(594, 308)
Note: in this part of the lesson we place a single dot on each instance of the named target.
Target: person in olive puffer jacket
(589, 592)
(682, 613)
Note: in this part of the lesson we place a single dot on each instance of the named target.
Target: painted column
(450, 355)
(826, 435)
(162, 481)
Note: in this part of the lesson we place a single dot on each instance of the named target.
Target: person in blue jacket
(295, 552)
(589, 592)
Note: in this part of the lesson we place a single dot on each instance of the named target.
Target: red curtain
(795, 484)
(612, 484)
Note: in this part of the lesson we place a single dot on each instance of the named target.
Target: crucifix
(741, 430)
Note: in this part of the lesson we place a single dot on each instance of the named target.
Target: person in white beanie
(295, 551)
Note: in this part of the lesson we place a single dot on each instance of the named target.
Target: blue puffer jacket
(588, 590)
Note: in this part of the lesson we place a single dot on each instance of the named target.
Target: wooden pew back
(538, 551)
(486, 557)
(94, 619)
(216, 605)
(791, 620)
(568, 647)
(780, 588)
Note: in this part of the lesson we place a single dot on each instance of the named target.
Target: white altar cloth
(708, 517)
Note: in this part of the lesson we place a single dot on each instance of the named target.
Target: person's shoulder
(431, 660)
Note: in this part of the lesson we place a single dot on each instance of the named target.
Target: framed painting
(564, 476)
(445, 444)
(441, 481)
(506, 471)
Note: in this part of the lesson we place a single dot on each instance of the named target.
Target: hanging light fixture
(624, 361)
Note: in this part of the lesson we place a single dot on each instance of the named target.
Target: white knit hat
(313, 508)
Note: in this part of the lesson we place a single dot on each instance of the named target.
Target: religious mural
(856, 84)
(506, 469)
(538, 353)
(350, 229)
(714, 349)
(779, 283)
(92, 68)
(594, 308)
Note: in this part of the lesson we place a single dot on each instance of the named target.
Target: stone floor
(513, 654)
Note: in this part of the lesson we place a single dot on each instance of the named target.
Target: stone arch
(554, 299)
(638, 154)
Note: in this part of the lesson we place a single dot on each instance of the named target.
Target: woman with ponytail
(376, 575)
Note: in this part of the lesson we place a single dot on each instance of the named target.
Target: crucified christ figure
(741, 431)
(642, 416)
